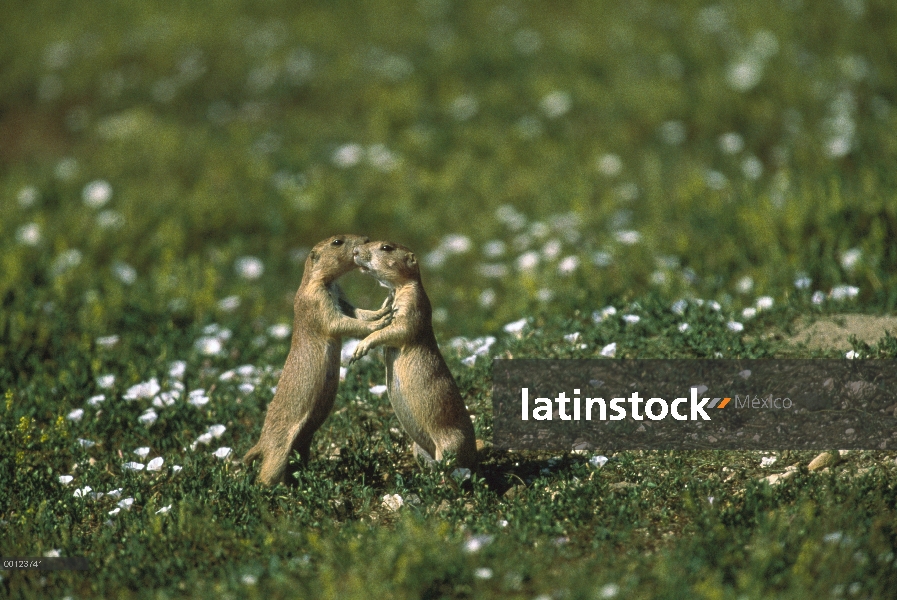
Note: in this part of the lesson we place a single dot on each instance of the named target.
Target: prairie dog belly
(400, 403)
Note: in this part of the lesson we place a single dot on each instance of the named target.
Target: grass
(164, 168)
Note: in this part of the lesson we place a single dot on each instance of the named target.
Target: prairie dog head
(333, 257)
(391, 264)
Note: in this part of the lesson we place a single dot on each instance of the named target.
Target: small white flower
(281, 331)
(155, 464)
(249, 267)
(28, 196)
(851, 354)
(599, 315)
(469, 361)
(133, 466)
(65, 479)
(124, 273)
(202, 439)
(515, 326)
(568, 264)
(602, 259)
(502, 523)
(745, 284)
(683, 327)
(456, 243)
(483, 573)
(107, 341)
(209, 346)
(843, 292)
(749, 313)
(764, 302)
(802, 282)
(29, 235)
(528, 261)
(222, 452)
(96, 400)
(818, 297)
(628, 238)
(752, 167)
(96, 193)
(230, 303)
(348, 155)
(734, 326)
(378, 390)
(149, 417)
(246, 388)
(393, 502)
(198, 398)
(176, 468)
(477, 543)
(610, 350)
(166, 398)
(610, 165)
(66, 260)
(714, 305)
(114, 512)
(767, 461)
(598, 461)
(731, 143)
(249, 579)
(632, 319)
(556, 104)
(609, 591)
(126, 503)
(105, 382)
(75, 415)
(110, 219)
(82, 492)
(146, 389)
(494, 248)
(163, 510)
(116, 493)
(86, 443)
(850, 258)
(142, 452)
(572, 338)
(216, 431)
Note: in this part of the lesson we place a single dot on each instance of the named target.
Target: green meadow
(724, 172)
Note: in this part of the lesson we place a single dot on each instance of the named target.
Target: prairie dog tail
(250, 457)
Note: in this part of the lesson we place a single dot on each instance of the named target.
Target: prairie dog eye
(336, 242)
(387, 248)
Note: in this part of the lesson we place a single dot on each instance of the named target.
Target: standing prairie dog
(307, 387)
(421, 388)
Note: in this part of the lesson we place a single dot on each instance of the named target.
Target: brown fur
(421, 388)
(307, 387)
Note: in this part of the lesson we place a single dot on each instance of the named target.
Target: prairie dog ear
(313, 256)
(410, 260)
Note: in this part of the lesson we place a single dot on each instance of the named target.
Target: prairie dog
(421, 388)
(307, 387)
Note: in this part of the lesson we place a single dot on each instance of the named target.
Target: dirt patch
(833, 332)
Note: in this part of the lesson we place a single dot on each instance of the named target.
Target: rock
(514, 492)
(777, 478)
(820, 462)
(622, 485)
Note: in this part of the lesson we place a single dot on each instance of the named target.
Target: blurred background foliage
(539, 156)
